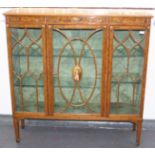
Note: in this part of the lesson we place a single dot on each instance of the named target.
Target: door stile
(107, 69)
(104, 73)
(45, 69)
(109, 74)
(50, 70)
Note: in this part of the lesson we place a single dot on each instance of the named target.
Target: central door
(76, 57)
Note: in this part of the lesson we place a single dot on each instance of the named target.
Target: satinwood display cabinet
(77, 64)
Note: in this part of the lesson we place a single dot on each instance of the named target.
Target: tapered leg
(16, 128)
(134, 127)
(22, 124)
(139, 132)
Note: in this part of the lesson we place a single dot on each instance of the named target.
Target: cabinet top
(75, 11)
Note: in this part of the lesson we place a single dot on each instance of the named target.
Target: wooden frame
(76, 20)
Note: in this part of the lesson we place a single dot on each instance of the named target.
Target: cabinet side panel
(145, 69)
(10, 69)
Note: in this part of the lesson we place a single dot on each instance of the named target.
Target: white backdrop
(5, 100)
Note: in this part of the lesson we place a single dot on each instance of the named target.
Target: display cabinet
(77, 64)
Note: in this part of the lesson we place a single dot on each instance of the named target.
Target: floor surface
(75, 134)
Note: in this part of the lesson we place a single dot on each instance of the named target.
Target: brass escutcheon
(77, 73)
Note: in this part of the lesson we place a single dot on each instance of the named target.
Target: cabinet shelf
(126, 82)
(24, 55)
(64, 86)
(26, 85)
(68, 82)
(70, 56)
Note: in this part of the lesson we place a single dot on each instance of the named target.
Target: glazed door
(128, 53)
(76, 57)
(26, 56)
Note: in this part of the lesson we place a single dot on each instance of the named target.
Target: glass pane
(127, 69)
(28, 69)
(82, 48)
